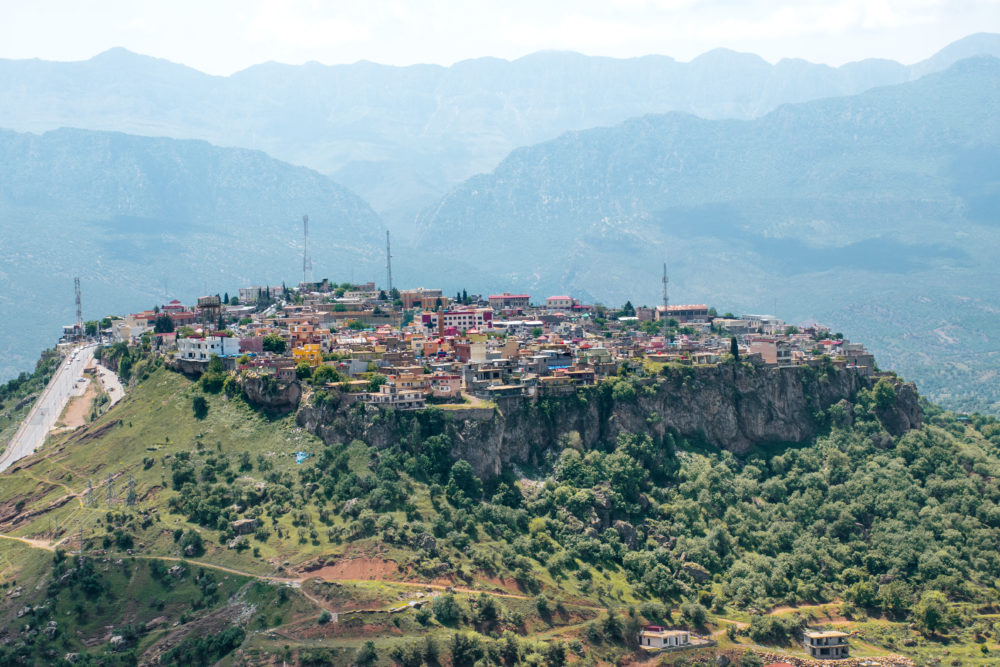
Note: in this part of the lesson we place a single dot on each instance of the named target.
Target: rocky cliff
(731, 406)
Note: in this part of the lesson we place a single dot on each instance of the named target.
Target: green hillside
(894, 537)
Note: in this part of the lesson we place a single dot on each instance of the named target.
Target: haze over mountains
(875, 212)
(141, 219)
(402, 136)
(886, 203)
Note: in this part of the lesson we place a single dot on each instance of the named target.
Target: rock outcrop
(731, 406)
(269, 394)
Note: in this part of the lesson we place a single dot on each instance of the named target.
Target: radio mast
(666, 310)
(388, 261)
(307, 264)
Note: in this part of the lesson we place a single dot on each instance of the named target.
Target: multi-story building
(422, 298)
(826, 644)
(399, 394)
(561, 302)
(462, 319)
(201, 348)
(684, 313)
(508, 301)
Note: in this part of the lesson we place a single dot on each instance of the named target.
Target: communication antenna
(666, 302)
(79, 308)
(388, 260)
(88, 498)
(307, 264)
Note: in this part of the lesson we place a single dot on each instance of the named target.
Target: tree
(225, 298)
(931, 613)
(324, 617)
(628, 310)
(694, 613)
(465, 297)
(884, 393)
(463, 483)
(366, 655)
(734, 348)
(163, 324)
(466, 649)
(446, 609)
(90, 327)
(274, 343)
(374, 382)
(324, 374)
(200, 407)
(750, 659)
(303, 370)
(536, 332)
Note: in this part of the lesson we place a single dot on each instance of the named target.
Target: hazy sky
(222, 36)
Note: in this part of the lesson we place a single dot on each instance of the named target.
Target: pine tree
(734, 348)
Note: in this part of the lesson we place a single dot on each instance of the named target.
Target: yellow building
(310, 353)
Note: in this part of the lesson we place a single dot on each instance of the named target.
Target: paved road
(111, 384)
(49, 406)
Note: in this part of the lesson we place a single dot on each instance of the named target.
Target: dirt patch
(152, 493)
(94, 433)
(355, 568)
(79, 408)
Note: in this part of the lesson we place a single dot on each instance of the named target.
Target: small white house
(202, 348)
(657, 637)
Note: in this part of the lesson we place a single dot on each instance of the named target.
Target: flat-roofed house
(656, 637)
(826, 644)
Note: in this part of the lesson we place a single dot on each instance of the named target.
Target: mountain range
(875, 212)
(141, 219)
(402, 136)
(884, 203)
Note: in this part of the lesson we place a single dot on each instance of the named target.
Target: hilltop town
(407, 348)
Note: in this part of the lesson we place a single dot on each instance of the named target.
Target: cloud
(302, 25)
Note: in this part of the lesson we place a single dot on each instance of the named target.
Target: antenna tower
(79, 308)
(307, 264)
(666, 301)
(388, 260)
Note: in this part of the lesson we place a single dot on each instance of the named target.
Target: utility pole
(388, 260)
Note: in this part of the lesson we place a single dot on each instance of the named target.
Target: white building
(462, 319)
(202, 348)
(401, 394)
(657, 637)
(560, 302)
(828, 644)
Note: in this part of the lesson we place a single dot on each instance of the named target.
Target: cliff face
(271, 395)
(730, 406)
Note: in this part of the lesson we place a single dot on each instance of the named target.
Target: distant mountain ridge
(886, 203)
(401, 136)
(140, 220)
